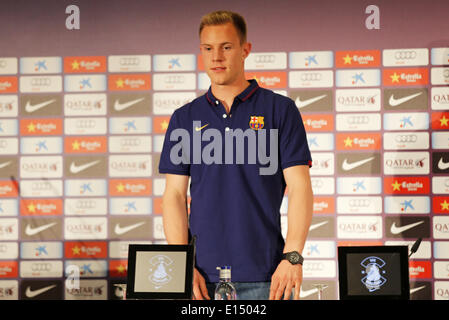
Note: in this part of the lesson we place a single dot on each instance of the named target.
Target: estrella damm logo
(256, 122)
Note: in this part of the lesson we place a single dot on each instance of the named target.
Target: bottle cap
(225, 272)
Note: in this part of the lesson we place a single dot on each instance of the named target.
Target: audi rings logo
(358, 120)
(402, 138)
(129, 61)
(405, 55)
(41, 186)
(41, 267)
(265, 58)
(130, 142)
(174, 79)
(41, 82)
(311, 76)
(359, 203)
(85, 124)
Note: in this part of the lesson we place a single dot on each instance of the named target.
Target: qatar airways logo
(357, 227)
(357, 100)
(440, 98)
(212, 153)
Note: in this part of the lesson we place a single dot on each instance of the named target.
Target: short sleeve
(293, 145)
(170, 161)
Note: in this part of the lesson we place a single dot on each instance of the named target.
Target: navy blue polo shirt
(235, 210)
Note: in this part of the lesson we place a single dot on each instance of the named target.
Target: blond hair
(222, 17)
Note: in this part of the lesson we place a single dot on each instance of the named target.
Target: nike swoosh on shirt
(119, 230)
(443, 165)
(77, 169)
(301, 104)
(31, 108)
(33, 231)
(317, 225)
(395, 102)
(4, 164)
(349, 166)
(33, 293)
(200, 128)
(398, 230)
(122, 106)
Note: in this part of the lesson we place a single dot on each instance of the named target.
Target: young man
(235, 204)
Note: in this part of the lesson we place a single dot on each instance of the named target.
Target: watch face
(293, 257)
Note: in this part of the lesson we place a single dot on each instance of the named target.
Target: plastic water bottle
(225, 290)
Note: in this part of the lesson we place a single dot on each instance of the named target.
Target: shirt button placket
(227, 121)
(225, 116)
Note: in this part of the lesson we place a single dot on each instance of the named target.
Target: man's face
(223, 55)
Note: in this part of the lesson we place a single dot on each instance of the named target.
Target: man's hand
(199, 286)
(286, 277)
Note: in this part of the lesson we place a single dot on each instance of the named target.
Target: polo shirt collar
(244, 95)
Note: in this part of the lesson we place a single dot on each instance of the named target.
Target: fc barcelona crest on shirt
(256, 123)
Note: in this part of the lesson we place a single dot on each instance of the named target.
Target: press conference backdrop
(83, 114)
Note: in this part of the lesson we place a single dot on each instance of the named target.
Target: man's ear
(246, 49)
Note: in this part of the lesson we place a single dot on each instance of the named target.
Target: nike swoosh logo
(306, 293)
(33, 231)
(397, 230)
(33, 293)
(443, 165)
(122, 106)
(301, 104)
(119, 230)
(77, 169)
(416, 289)
(200, 128)
(317, 225)
(395, 102)
(4, 164)
(349, 166)
(31, 108)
